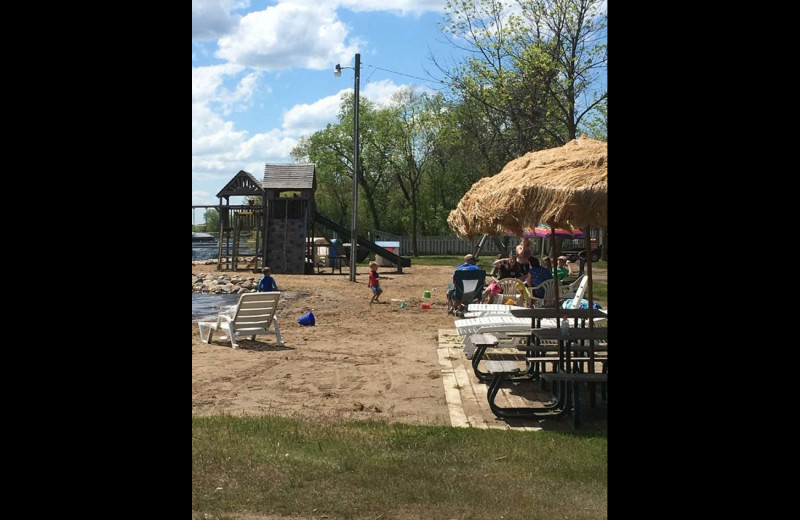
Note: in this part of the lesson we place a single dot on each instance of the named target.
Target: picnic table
(565, 376)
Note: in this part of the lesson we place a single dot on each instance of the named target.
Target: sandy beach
(360, 361)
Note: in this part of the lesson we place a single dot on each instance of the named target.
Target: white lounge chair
(576, 299)
(477, 310)
(254, 314)
(471, 325)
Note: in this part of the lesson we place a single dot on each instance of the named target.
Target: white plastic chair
(549, 294)
(254, 314)
(514, 289)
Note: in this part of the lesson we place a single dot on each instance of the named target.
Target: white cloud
(380, 92)
(210, 133)
(207, 81)
(208, 87)
(275, 143)
(291, 34)
(400, 7)
(219, 151)
(305, 119)
(288, 35)
(213, 18)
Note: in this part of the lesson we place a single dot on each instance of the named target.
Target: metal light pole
(354, 232)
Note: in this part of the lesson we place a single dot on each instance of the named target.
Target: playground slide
(397, 260)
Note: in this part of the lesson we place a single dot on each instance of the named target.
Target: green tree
(596, 126)
(572, 33)
(534, 70)
(415, 136)
(332, 152)
(211, 216)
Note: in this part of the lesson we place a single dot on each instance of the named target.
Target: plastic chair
(254, 314)
(468, 287)
(549, 294)
(514, 289)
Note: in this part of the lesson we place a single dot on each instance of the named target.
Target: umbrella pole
(553, 265)
(590, 298)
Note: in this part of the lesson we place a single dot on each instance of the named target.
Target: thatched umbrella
(563, 187)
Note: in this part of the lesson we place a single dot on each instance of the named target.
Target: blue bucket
(306, 319)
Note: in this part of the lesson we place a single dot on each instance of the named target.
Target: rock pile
(222, 283)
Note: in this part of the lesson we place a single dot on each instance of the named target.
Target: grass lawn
(271, 465)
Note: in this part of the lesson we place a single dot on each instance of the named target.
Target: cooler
(393, 247)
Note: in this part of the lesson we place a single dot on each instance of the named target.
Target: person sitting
(536, 275)
(547, 264)
(469, 264)
(267, 283)
(454, 307)
(491, 291)
(509, 267)
(564, 268)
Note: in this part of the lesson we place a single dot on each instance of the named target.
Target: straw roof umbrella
(563, 187)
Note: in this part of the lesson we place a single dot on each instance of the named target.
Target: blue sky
(262, 73)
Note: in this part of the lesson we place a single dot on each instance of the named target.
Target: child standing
(375, 282)
(267, 282)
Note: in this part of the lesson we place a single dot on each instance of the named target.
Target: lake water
(205, 306)
(208, 306)
(206, 252)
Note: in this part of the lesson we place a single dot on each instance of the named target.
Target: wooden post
(236, 230)
(553, 265)
(255, 244)
(590, 297)
(219, 239)
(306, 209)
(228, 214)
(265, 220)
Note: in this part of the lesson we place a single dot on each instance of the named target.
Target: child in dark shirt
(267, 282)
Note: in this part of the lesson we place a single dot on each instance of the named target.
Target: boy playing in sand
(375, 282)
(267, 282)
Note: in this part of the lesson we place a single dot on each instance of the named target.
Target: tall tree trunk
(370, 200)
(414, 221)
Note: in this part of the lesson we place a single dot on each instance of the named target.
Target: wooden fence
(439, 245)
(450, 245)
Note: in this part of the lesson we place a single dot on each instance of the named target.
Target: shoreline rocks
(223, 283)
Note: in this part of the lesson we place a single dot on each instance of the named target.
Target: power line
(403, 74)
